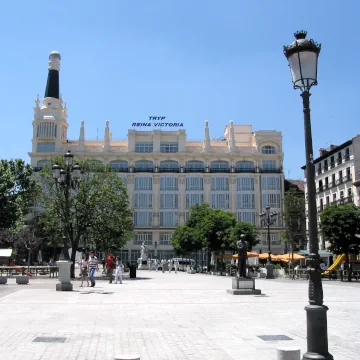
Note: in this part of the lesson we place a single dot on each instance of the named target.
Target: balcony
(348, 177)
(245, 170)
(272, 170)
(339, 181)
(169, 170)
(214, 170)
(342, 201)
(194, 170)
(123, 170)
(347, 157)
(332, 165)
(149, 170)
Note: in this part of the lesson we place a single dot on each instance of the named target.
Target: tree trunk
(73, 257)
(29, 258)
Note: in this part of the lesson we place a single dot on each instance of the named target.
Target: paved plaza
(169, 316)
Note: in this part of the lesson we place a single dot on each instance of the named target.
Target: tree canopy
(17, 190)
(340, 225)
(243, 228)
(95, 212)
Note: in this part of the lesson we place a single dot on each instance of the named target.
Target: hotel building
(165, 173)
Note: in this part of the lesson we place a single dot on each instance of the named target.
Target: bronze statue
(242, 256)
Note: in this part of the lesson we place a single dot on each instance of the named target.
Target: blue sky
(189, 60)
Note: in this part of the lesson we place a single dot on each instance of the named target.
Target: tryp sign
(157, 121)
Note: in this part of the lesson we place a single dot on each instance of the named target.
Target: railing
(345, 200)
(348, 177)
(169, 170)
(120, 169)
(212, 170)
(245, 170)
(194, 170)
(143, 169)
(273, 170)
(347, 157)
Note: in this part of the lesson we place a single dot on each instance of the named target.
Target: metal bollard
(127, 357)
(288, 353)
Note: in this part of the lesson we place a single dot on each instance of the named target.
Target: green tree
(97, 209)
(17, 190)
(247, 229)
(294, 216)
(340, 226)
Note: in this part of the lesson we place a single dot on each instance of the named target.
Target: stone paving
(169, 316)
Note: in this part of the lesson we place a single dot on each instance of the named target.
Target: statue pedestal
(243, 286)
(269, 271)
(64, 276)
(143, 265)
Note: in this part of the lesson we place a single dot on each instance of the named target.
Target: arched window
(219, 166)
(119, 165)
(194, 166)
(42, 163)
(267, 149)
(245, 166)
(144, 165)
(169, 166)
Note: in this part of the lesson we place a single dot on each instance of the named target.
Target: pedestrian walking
(163, 262)
(176, 266)
(149, 263)
(103, 261)
(84, 270)
(110, 266)
(170, 265)
(93, 266)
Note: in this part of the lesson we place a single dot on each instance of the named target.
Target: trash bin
(132, 271)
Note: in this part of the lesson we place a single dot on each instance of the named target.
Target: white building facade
(336, 176)
(165, 173)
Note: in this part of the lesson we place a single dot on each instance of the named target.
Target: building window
(347, 154)
(246, 216)
(274, 239)
(327, 200)
(144, 147)
(141, 236)
(169, 147)
(124, 255)
(46, 147)
(319, 168)
(169, 201)
(270, 183)
(144, 165)
(349, 192)
(244, 166)
(143, 183)
(268, 150)
(269, 165)
(135, 255)
(245, 201)
(168, 183)
(219, 166)
(169, 165)
(119, 165)
(169, 218)
(325, 165)
(220, 201)
(143, 201)
(220, 183)
(193, 166)
(340, 177)
(333, 179)
(194, 183)
(339, 159)
(165, 238)
(194, 199)
(326, 183)
(245, 184)
(142, 218)
(334, 197)
(273, 200)
(332, 161)
(42, 163)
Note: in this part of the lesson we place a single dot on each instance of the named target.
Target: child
(84, 272)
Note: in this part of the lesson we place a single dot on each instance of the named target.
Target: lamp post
(241, 237)
(66, 180)
(268, 218)
(303, 55)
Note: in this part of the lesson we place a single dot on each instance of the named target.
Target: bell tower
(49, 123)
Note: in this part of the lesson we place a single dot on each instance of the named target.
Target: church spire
(52, 85)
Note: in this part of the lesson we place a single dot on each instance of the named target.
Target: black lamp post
(242, 238)
(303, 55)
(66, 180)
(268, 218)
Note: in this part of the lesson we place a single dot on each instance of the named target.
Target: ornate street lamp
(268, 219)
(303, 55)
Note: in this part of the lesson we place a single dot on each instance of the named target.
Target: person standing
(93, 266)
(163, 262)
(110, 266)
(170, 265)
(156, 265)
(149, 263)
(84, 270)
(119, 270)
(176, 265)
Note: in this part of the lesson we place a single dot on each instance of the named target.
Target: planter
(22, 279)
(3, 279)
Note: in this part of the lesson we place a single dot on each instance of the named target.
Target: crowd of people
(90, 264)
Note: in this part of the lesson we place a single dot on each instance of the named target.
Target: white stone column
(181, 198)
(130, 188)
(207, 188)
(156, 200)
(258, 206)
(64, 276)
(232, 183)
